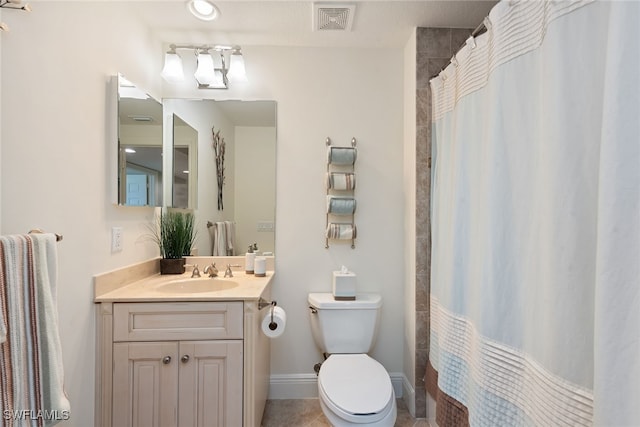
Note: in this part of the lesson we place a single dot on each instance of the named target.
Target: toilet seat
(356, 387)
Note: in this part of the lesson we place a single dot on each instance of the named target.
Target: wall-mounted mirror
(185, 165)
(139, 147)
(248, 214)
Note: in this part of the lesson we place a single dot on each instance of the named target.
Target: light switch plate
(265, 225)
(116, 239)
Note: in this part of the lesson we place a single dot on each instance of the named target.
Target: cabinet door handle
(166, 360)
(185, 358)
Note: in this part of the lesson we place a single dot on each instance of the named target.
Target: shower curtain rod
(479, 29)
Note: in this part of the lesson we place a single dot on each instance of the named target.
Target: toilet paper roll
(275, 328)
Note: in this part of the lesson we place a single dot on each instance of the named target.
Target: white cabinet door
(145, 384)
(210, 383)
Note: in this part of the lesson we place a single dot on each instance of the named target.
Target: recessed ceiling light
(203, 9)
(141, 118)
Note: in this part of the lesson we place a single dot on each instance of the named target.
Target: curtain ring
(454, 61)
(471, 42)
(487, 23)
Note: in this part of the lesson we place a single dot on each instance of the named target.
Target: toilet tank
(344, 326)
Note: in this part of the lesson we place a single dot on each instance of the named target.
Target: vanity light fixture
(15, 5)
(203, 9)
(212, 71)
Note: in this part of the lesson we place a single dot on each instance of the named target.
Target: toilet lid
(355, 383)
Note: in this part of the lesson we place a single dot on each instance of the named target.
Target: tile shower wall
(434, 49)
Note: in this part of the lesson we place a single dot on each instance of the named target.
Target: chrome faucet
(211, 270)
(229, 272)
(195, 272)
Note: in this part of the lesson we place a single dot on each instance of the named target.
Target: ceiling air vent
(333, 16)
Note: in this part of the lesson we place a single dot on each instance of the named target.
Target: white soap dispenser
(249, 260)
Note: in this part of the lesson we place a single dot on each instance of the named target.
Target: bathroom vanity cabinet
(170, 362)
(175, 363)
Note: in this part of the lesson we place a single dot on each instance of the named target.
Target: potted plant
(174, 233)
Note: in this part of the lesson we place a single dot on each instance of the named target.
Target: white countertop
(148, 289)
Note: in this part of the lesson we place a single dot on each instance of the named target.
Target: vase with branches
(218, 149)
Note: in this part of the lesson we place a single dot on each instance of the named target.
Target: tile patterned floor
(307, 413)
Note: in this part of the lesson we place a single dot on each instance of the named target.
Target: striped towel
(31, 371)
(341, 181)
(341, 231)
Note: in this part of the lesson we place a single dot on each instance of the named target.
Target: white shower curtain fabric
(535, 283)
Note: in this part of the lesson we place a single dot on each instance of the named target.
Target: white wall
(409, 363)
(56, 64)
(54, 120)
(337, 93)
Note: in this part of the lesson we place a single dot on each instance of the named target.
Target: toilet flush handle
(313, 310)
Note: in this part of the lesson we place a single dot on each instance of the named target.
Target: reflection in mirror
(139, 146)
(185, 164)
(249, 131)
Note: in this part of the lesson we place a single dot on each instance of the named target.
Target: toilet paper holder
(262, 303)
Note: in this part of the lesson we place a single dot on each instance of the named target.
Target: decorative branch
(218, 148)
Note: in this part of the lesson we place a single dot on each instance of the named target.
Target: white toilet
(354, 389)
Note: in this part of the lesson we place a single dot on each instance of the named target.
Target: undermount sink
(196, 286)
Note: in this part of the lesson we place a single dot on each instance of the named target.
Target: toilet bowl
(355, 390)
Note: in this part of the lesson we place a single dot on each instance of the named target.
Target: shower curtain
(535, 283)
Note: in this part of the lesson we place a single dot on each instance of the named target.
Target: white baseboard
(409, 396)
(293, 386)
(431, 411)
(305, 386)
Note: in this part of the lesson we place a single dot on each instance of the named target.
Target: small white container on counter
(260, 266)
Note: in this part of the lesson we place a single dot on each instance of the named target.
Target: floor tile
(307, 413)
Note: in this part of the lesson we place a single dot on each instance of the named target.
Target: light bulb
(205, 74)
(236, 71)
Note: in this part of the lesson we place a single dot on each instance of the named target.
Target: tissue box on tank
(344, 286)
